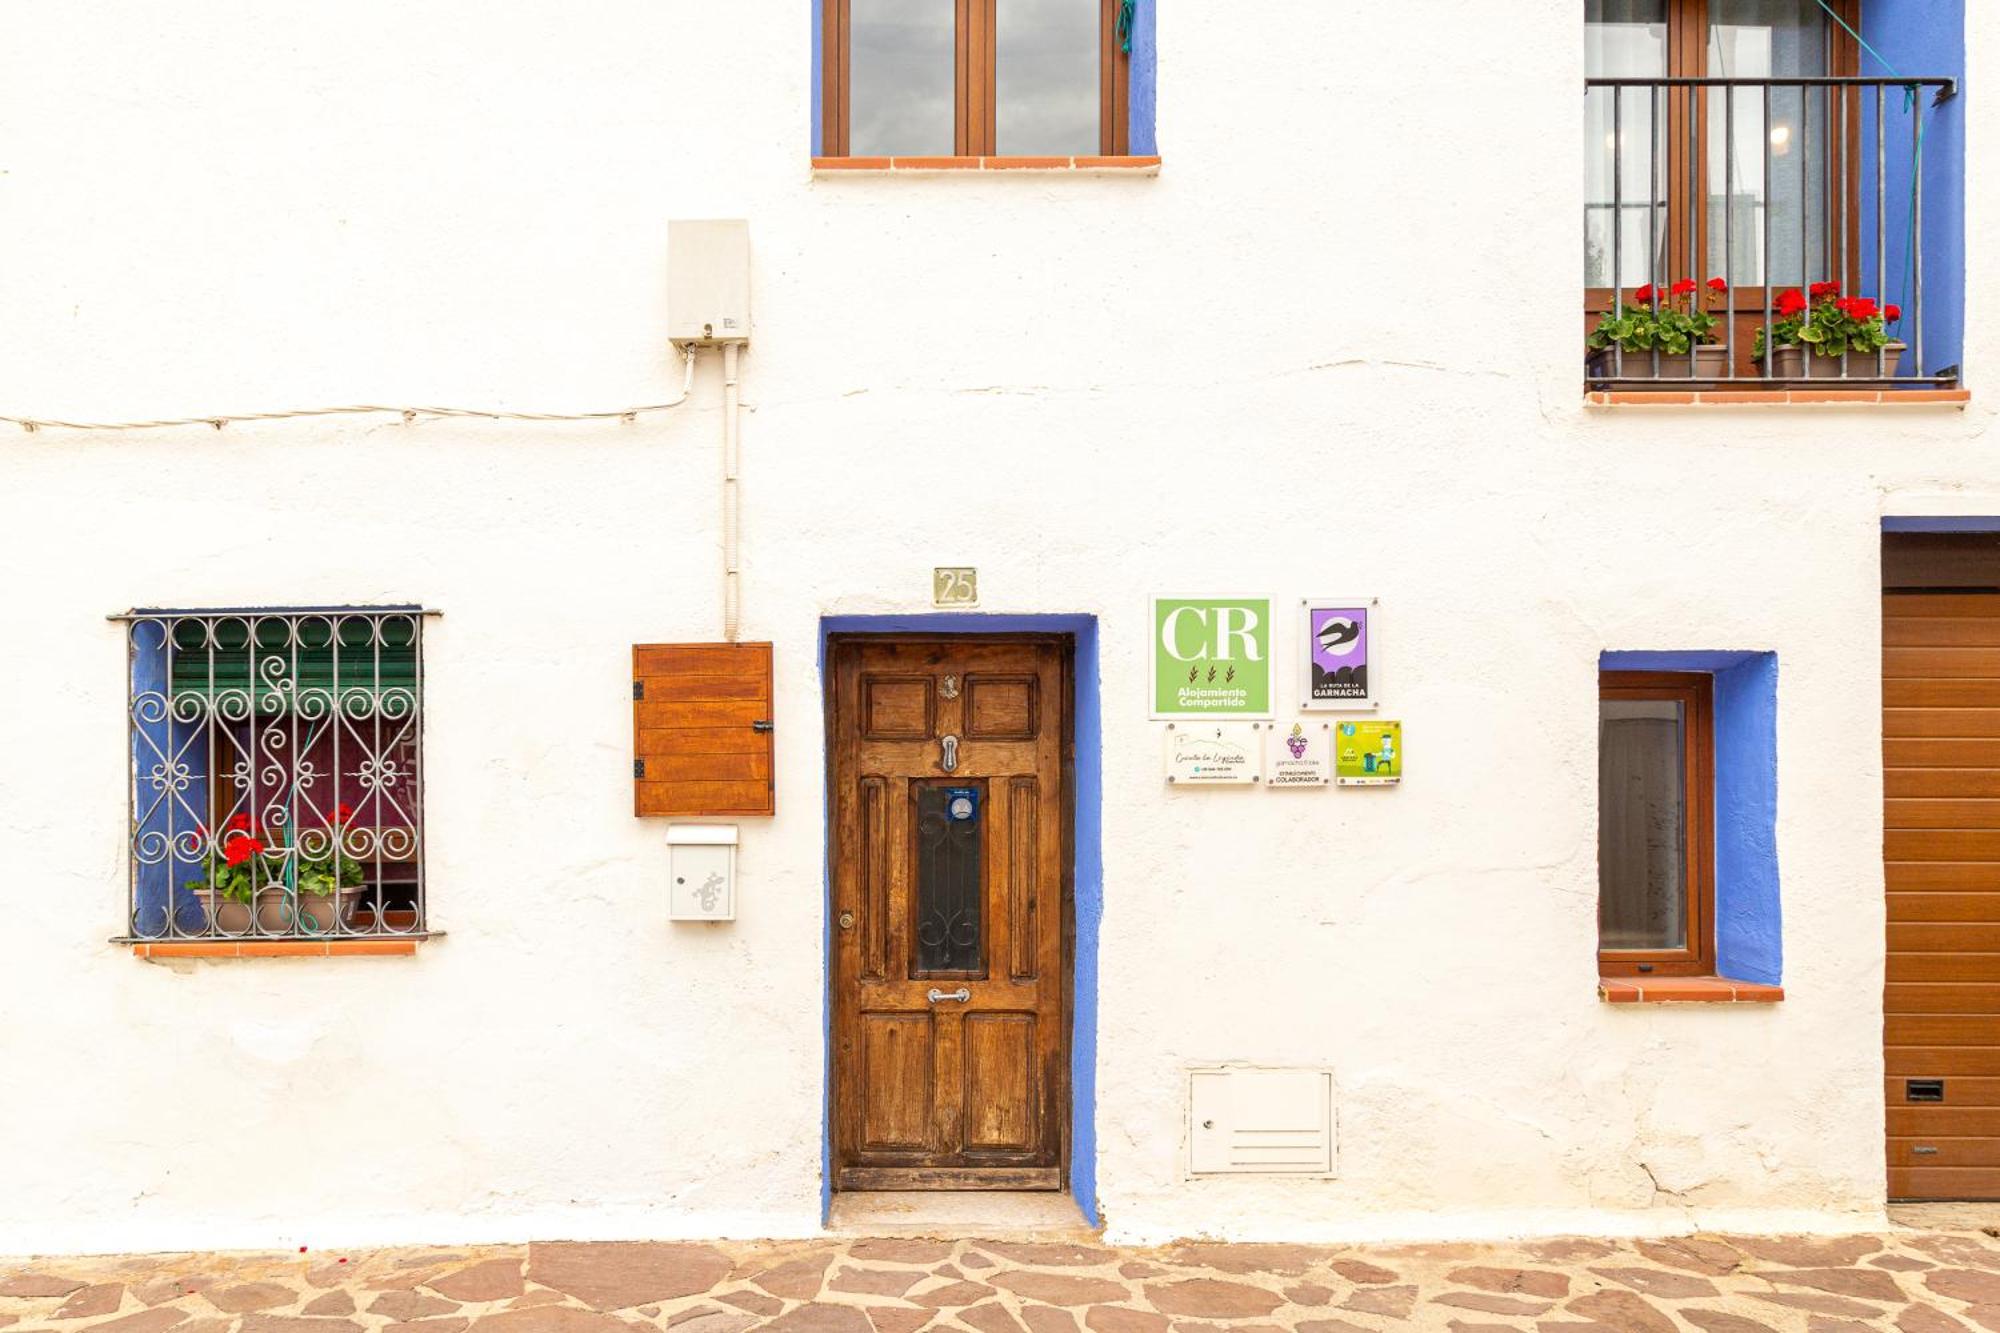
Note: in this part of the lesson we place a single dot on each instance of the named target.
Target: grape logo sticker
(1299, 757)
(1338, 642)
(1211, 657)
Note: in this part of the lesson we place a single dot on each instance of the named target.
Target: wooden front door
(950, 790)
(1941, 840)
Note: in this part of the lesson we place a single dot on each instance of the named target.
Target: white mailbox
(701, 862)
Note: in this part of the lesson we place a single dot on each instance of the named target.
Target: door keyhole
(948, 760)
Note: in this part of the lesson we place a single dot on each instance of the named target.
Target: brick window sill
(384, 948)
(1039, 166)
(1685, 990)
(1954, 399)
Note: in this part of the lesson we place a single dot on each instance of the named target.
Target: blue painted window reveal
(1749, 942)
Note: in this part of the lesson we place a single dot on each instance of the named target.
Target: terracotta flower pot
(231, 917)
(328, 913)
(1709, 362)
(276, 913)
(1792, 363)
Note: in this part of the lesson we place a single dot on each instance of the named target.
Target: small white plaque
(954, 585)
(1300, 755)
(1210, 754)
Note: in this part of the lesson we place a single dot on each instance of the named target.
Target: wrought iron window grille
(1770, 185)
(276, 787)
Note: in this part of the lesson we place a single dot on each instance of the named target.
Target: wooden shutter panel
(701, 729)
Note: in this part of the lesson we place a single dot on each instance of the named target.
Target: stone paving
(1908, 1281)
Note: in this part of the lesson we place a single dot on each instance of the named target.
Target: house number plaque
(954, 585)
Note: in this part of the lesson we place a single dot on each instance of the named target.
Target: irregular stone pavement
(1908, 1281)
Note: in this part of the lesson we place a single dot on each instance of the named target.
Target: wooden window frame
(1695, 692)
(976, 80)
(1686, 135)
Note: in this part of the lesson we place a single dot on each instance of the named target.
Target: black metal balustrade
(277, 774)
(1771, 185)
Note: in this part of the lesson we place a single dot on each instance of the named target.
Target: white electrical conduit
(409, 414)
(732, 524)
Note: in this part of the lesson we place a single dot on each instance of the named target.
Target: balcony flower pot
(233, 916)
(1793, 363)
(1704, 364)
(1675, 324)
(328, 913)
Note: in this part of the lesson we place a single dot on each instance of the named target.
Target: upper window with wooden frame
(974, 78)
(1655, 824)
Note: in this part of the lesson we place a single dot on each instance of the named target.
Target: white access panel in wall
(1260, 1122)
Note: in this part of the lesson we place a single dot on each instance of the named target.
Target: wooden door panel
(950, 907)
(1969, 1090)
(898, 1080)
(1001, 708)
(1944, 967)
(1941, 1061)
(1922, 783)
(1941, 869)
(898, 708)
(1000, 1093)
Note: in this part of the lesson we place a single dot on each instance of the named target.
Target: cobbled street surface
(1911, 1281)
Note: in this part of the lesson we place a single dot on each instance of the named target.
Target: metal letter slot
(962, 994)
(1923, 1090)
(948, 761)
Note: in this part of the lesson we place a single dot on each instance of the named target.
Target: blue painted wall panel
(1919, 39)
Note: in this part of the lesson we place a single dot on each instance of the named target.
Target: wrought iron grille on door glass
(277, 773)
(948, 882)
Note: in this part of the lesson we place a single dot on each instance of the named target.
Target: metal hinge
(761, 724)
(638, 769)
(638, 689)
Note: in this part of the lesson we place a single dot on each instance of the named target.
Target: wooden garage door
(1941, 840)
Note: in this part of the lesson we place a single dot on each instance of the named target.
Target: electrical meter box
(701, 861)
(708, 282)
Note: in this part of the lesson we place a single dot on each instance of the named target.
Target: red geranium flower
(1858, 307)
(1685, 287)
(240, 849)
(239, 823)
(1644, 295)
(342, 813)
(1718, 285)
(1790, 302)
(1892, 313)
(1820, 289)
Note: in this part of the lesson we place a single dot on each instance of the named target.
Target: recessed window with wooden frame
(1655, 824)
(973, 78)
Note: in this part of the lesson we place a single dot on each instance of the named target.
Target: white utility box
(701, 861)
(1260, 1122)
(708, 282)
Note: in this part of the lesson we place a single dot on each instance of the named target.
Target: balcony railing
(1771, 186)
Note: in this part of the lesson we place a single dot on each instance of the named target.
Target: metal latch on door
(962, 994)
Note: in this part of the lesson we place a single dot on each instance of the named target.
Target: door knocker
(948, 760)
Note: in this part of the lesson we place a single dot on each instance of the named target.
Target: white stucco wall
(1332, 347)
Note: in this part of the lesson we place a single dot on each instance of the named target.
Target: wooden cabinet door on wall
(701, 729)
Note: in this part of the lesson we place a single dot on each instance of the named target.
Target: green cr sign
(1211, 657)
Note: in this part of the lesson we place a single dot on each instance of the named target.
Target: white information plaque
(1299, 756)
(1214, 754)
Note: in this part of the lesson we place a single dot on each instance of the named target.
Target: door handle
(963, 993)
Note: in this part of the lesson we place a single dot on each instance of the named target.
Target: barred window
(277, 773)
